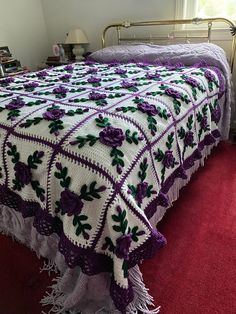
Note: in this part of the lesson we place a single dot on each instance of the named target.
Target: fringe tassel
(142, 297)
(49, 266)
(56, 299)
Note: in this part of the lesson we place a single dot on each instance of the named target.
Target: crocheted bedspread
(90, 151)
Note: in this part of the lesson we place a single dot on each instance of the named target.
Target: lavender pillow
(122, 53)
(180, 53)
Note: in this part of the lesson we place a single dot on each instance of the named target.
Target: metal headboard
(195, 21)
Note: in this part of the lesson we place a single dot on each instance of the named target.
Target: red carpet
(194, 273)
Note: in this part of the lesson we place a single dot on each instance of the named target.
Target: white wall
(23, 29)
(93, 15)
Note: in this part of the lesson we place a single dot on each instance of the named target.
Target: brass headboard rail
(195, 21)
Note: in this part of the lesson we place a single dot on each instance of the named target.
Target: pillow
(188, 54)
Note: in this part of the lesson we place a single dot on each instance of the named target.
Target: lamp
(77, 37)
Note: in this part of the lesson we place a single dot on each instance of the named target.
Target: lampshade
(76, 36)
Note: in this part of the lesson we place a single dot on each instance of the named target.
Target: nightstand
(55, 61)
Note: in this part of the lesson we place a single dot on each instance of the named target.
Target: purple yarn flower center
(204, 122)
(97, 96)
(141, 191)
(216, 114)
(60, 90)
(122, 246)
(54, 114)
(71, 203)
(147, 108)
(111, 136)
(150, 75)
(31, 85)
(7, 81)
(191, 81)
(65, 77)
(42, 74)
(172, 93)
(120, 71)
(92, 70)
(169, 160)
(68, 68)
(188, 139)
(22, 172)
(209, 75)
(126, 84)
(93, 80)
(15, 103)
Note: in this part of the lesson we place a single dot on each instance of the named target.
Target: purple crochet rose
(120, 71)
(142, 64)
(42, 74)
(31, 85)
(113, 64)
(172, 93)
(209, 75)
(97, 96)
(92, 70)
(65, 77)
(173, 67)
(152, 75)
(71, 203)
(204, 122)
(216, 114)
(16, 103)
(126, 84)
(22, 172)
(122, 246)
(216, 133)
(168, 160)
(141, 191)
(68, 68)
(60, 90)
(54, 114)
(188, 139)
(89, 62)
(111, 136)
(191, 81)
(7, 81)
(93, 80)
(147, 108)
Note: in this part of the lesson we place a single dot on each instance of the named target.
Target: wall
(23, 29)
(93, 15)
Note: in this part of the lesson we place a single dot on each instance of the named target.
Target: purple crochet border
(90, 262)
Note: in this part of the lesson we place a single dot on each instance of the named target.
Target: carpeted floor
(194, 273)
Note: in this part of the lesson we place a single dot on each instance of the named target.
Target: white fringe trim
(141, 302)
(50, 267)
(142, 297)
(56, 299)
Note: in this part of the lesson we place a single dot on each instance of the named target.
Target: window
(206, 8)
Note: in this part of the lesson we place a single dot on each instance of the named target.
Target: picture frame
(5, 54)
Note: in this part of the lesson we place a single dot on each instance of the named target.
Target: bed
(92, 155)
